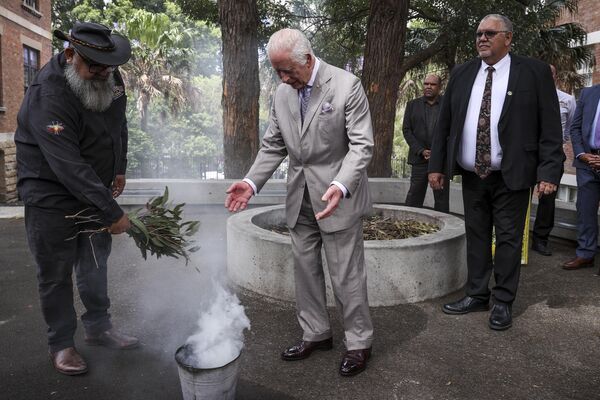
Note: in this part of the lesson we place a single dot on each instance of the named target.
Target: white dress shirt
(311, 81)
(466, 150)
(567, 105)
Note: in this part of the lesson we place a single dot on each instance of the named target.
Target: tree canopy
(175, 73)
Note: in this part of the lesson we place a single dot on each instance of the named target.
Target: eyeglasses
(95, 68)
(488, 34)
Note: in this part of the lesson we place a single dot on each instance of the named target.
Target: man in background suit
(544, 216)
(585, 137)
(320, 119)
(420, 117)
(499, 127)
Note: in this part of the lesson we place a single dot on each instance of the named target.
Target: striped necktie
(304, 97)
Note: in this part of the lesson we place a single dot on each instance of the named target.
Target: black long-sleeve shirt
(68, 156)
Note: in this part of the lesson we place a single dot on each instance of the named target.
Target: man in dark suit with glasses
(499, 127)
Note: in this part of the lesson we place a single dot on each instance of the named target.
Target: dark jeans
(55, 256)
(418, 188)
(489, 204)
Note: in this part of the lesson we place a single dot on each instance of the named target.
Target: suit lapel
(513, 79)
(423, 119)
(294, 104)
(317, 94)
(588, 119)
(470, 76)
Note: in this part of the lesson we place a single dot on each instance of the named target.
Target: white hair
(508, 25)
(291, 40)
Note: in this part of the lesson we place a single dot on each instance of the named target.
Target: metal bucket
(206, 383)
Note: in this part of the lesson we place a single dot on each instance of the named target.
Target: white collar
(500, 65)
(314, 72)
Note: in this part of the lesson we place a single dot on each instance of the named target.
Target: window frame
(29, 71)
(32, 4)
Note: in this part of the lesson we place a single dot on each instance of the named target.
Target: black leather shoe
(500, 317)
(304, 349)
(541, 246)
(466, 305)
(354, 362)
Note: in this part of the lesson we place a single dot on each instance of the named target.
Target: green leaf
(138, 224)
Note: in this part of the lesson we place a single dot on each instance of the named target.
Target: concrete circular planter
(398, 271)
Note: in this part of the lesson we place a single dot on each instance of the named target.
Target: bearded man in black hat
(71, 156)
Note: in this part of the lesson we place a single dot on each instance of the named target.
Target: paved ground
(552, 352)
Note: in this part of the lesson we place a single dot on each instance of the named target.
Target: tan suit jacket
(335, 143)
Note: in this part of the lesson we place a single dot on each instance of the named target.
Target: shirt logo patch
(118, 91)
(55, 128)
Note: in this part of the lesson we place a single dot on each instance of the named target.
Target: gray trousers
(344, 251)
(56, 258)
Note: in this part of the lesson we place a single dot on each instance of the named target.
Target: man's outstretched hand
(238, 196)
(332, 196)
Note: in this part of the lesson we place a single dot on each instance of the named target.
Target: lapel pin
(509, 93)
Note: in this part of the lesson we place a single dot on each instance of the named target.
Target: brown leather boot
(112, 339)
(68, 361)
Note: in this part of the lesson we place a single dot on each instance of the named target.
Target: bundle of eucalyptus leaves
(156, 228)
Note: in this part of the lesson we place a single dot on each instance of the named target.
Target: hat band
(93, 46)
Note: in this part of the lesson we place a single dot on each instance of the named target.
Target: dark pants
(55, 256)
(418, 188)
(544, 218)
(588, 196)
(488, 204)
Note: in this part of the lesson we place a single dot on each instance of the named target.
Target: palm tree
(158, 66)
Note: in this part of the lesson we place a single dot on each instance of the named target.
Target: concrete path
(552, 351)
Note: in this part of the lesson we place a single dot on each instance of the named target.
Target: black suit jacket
(529, 128)
(414, 128)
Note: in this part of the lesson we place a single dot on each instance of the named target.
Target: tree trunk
(382, 73)
(144, 117)
(241, 90)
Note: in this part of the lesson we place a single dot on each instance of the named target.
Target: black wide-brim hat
(97, 43)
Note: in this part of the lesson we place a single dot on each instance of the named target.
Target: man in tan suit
(320, 119)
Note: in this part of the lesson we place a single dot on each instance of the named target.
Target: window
(32, 7)
(31, 65)
(34, 4)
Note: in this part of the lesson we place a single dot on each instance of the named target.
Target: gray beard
(95, 95)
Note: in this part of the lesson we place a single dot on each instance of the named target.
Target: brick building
(588, 15)
(25, 45)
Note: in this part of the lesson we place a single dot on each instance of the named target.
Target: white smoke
(220, 336)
